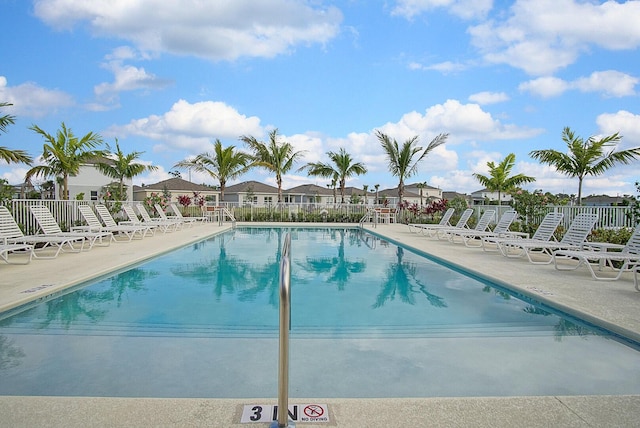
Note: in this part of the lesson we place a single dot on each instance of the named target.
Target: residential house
(603, 201)
(488, 197)
(412, 194)
(177, 187)
(309, 193)
(449, 196)
(90, 183)
(251, 192)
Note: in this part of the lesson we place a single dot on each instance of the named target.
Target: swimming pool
(369, 319)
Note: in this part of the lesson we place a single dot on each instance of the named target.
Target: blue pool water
(369, 319)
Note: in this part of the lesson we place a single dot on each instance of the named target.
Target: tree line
(64, 153)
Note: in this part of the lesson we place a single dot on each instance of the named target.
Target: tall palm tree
(119, 166)
(277, 157)
(223, 164)
(6, 154)
(402, 160)
(342, 168)
(499, 180)
(586, 157)
(64, 154)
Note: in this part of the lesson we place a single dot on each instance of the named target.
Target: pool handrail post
(285, 326)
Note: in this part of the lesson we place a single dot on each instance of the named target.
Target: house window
(268, 200)
(94, 195)
(288, 199)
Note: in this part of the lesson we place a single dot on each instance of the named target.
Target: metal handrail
(285, 326)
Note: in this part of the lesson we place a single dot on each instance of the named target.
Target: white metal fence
(67, 214)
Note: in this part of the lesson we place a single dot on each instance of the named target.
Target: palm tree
(342, 168)
(421, 186)
(64, 154)
(119, 166)
(6, 154)
(277, 157)
(585, 157)
(377, 186)
(499, 180)
(401, 160)
(223, 164)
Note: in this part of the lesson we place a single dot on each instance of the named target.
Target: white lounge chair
(574, 239)
(544, 232)
(186, 220)
(110, 225)
(483, 223)
(163, 217)
(628, 257)
(164, 226)
(501, 230)
(50, 226)
(134, 220)
(444, 222)
(6, 249)
(10, 233)
(431, 230)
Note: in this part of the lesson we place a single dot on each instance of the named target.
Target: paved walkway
(614, 305)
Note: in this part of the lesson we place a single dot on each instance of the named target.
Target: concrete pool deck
(614, 305)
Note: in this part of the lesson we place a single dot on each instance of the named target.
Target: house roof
(254, 186)
(393, 192)
(451, 195)
(308, 189)
(602, 199)
(175, 184)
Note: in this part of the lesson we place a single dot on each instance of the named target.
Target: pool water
(369, 319)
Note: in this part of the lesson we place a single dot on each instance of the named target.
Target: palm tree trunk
(579, 191)
(279, 181)
(65, 187)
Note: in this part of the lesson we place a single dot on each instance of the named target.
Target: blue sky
(168, 78)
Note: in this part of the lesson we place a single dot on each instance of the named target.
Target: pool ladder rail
(285, 326)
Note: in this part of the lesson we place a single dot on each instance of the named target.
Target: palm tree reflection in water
(90, 304)
(339, 268)
(232, 275)
(401, 280)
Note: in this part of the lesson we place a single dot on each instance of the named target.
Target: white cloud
(15, 175)
(462, 121)
(445, 67)
(126, 77)
(486, 97)
(213, 30)
(610, 82)
(466, 9)
(192, 126)
(545, 87)
(543, 36)
(624, 122)
(31, 100)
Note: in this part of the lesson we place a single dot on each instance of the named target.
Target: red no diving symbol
(313, 411)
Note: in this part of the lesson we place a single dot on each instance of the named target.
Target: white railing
(67, 214)
(283, 343)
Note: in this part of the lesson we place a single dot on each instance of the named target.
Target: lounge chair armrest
(510, 234)
(603, 246)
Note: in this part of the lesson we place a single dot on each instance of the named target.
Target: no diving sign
(316, 413)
